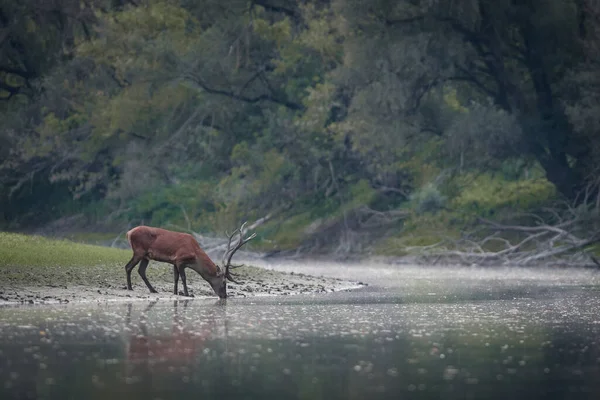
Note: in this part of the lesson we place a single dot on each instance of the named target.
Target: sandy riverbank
(254, 281)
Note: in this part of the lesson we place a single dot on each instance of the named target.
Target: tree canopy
(248, 108)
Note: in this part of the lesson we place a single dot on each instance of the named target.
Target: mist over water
(427, 333)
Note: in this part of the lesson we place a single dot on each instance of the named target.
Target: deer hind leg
(175, 278)
(142, 272)
(129, 267)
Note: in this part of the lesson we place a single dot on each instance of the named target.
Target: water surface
(424, 333)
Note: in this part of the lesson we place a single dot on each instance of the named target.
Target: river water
(414, 332)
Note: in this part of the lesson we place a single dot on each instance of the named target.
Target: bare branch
(468, 76)
(374, 218)
(404, 21)
(227, 93)
(27, 178)
(565, 240)
(187, 219)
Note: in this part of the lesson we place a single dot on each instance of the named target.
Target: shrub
(428, 199)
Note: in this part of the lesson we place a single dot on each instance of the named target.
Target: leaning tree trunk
(551, 139)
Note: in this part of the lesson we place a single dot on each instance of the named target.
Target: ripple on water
(432, 336)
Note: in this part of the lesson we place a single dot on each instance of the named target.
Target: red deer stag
(182, 251)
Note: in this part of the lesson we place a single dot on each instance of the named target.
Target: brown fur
(171, 247)
(176, 248)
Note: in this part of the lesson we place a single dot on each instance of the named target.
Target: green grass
(35, 260)
(35, 251)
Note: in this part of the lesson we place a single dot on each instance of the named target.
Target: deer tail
(128, 234)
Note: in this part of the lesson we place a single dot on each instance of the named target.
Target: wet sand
(254, 281)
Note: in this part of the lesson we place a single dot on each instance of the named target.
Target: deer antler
(231, 251)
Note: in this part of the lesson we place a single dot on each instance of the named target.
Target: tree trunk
(551, 137)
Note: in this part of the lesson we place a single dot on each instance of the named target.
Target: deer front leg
(175, 278)
(142, 272)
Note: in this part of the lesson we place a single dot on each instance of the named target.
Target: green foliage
(360, 193)
(486, 195)
(217, 112)
(288, 233)
(35, 37)
(278, 32)
(479, 195)
(428, 199)
(167, 205)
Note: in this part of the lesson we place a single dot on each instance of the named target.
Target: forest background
(467, 128)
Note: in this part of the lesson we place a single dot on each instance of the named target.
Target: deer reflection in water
(171, 353)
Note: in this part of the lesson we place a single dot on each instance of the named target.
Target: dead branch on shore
(369, 218)
(561, 236)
